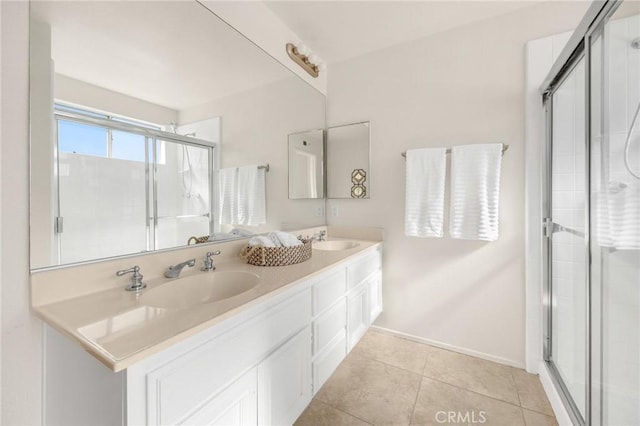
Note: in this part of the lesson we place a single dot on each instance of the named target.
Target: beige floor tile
(320, 414)
(440, 403)
(372, 391)
(531, 418)
(478, 375)
(393, 350)
(531, 392)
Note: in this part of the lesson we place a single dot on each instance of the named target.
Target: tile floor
(387, 380)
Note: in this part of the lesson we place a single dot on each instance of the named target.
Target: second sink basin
(334, 245)
(200, 289)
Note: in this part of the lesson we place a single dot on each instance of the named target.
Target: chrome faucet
(136, 283)
(208, 261)
(174, 271)
(320, 236)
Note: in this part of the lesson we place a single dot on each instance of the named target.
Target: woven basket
(277, 256)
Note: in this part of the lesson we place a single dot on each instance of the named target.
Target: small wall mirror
(348, 168)
(306, 161)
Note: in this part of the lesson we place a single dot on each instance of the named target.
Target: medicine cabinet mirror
(348, 163)
(306, 163)
(136, 107)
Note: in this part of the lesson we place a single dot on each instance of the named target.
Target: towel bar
(448, 151)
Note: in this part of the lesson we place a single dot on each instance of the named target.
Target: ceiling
(339, 30)
(179, 55)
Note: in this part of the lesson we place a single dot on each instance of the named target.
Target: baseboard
(470, 352)
(562, 415)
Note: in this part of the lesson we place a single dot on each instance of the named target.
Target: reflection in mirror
(348, 168)
(306, 160)
(137, 108)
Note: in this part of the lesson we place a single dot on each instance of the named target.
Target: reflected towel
(475, 191)
(251, 196)
(424, 197)
(617, 211)
(227, 194)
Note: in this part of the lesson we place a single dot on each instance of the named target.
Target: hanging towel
(227, 193)
(475, 191)
(424, 199)
(251, 196)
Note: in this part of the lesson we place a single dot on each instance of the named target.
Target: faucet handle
(136, 283)
(208, 261)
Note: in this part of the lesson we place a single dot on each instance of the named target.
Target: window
(102, 140)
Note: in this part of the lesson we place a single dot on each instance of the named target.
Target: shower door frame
(578, 48)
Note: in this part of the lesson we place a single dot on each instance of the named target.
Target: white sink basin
(200, 289)
(334, 245)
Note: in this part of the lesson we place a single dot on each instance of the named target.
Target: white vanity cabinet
(261, 366)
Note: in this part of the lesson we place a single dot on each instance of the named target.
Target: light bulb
(314, 59)
(322, 67)
(303, 49)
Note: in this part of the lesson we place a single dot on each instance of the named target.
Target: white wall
(21, 333)
(457, 87)
(255, 126)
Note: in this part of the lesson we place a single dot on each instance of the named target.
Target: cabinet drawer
(328, 290)
(183, 384)
(363, 268)
(326, 362)
(326, 327)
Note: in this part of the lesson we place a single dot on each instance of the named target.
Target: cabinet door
(236, 405)
(284, 381)
(375, 297)
(358, 314)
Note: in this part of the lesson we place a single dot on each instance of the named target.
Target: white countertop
(117, 329)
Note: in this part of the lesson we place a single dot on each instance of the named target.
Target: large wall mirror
(151, 124)
(348, 165)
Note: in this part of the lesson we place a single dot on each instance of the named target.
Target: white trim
(465, 351)
(562, 415)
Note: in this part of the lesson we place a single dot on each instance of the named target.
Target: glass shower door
(567, 349)
(182, 192)
(615, 209)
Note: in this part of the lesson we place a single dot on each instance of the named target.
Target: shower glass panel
(592, 291)
(568, 247)
(183, 192)
(615, 209)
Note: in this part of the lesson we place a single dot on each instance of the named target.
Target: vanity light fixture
(303, 56)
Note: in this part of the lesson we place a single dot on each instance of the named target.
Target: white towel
(286, 239)
(424, 198)
(261, 241)
(475, 191)
(251, 196)
(227, 195)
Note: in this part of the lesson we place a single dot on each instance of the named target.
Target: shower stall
(592, 218)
